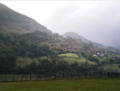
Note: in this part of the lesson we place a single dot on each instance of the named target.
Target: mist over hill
(75, 36)
(16, 23)
(27, 47)
(12, 21)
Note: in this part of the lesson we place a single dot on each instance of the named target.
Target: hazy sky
(98, 21)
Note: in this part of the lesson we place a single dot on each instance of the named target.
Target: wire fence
(30, 77)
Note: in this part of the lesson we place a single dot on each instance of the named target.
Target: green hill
(24, 42)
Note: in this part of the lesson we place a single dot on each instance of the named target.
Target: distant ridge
(75, 36)
(28, 30)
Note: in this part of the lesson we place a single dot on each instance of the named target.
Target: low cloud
(95, 20)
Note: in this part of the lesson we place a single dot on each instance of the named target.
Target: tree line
(19, 57)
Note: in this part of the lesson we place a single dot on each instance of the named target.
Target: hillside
(26, 29)
(75, 36)
(12, 21)
(28, 47)
(33, 32)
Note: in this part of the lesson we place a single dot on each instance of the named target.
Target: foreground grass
(63, 85)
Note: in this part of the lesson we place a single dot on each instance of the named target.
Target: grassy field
(72, 57)
(63, 85)
(69, 55)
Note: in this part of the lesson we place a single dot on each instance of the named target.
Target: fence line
(28, 77)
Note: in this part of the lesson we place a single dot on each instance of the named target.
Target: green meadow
(63, 85)
(72, 57)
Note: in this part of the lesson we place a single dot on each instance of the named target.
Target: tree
(7, 60)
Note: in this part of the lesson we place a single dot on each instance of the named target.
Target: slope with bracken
(28, 30)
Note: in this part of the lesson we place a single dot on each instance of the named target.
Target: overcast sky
(98, 21)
